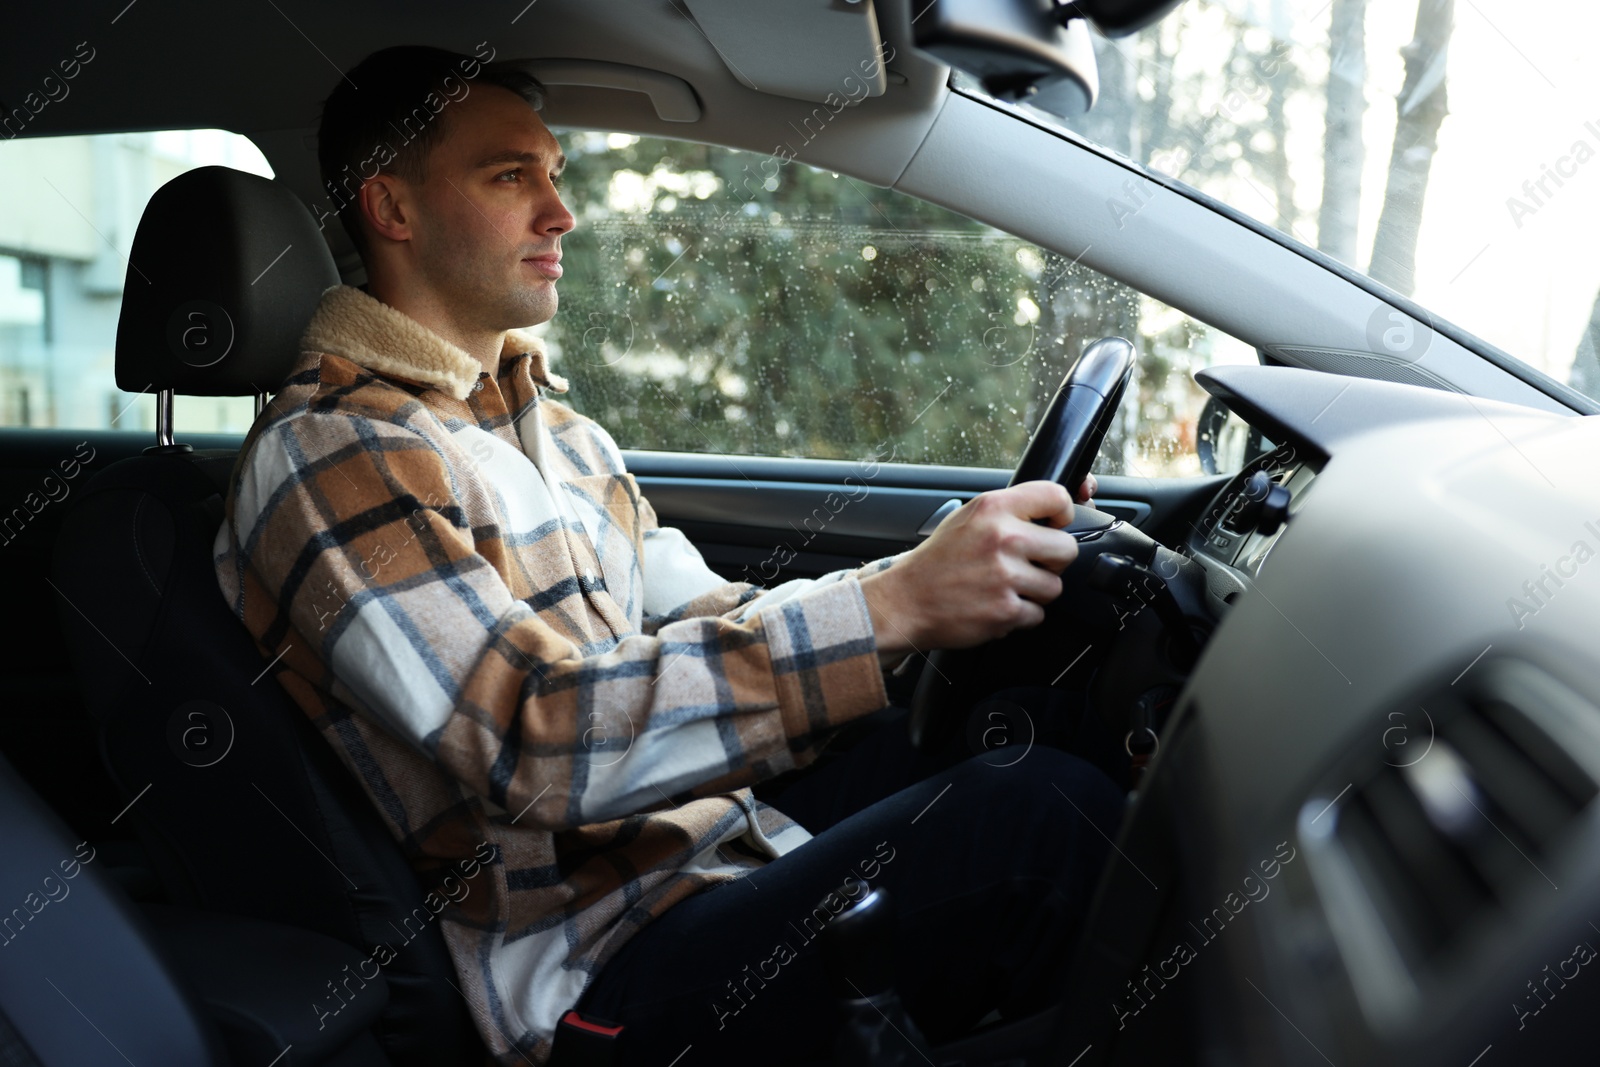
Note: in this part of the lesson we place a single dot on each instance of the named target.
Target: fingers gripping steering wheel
(1066, 442)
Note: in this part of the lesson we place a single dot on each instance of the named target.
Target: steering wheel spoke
(1062, 449)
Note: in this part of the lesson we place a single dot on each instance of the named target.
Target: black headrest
(226, 270)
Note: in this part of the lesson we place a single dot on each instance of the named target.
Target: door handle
(937, 517)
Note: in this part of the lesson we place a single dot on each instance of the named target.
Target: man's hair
(388, 112)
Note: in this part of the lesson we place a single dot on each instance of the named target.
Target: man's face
(487, 225)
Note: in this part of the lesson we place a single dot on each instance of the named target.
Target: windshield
(1445, 148)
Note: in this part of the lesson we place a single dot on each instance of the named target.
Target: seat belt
(585, 1042)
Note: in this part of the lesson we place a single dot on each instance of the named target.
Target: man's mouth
(549, 265)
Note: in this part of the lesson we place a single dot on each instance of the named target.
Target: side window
(69, 207)
(725, 301)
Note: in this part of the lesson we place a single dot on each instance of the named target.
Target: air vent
(1430, 845)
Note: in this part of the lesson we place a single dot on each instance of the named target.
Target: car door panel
(766, 519)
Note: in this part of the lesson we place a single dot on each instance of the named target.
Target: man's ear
(385, 204)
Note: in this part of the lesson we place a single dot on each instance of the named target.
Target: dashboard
(1370, 833)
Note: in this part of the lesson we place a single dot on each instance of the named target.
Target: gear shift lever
(858, 955)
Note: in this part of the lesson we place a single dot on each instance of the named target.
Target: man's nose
(555, 218)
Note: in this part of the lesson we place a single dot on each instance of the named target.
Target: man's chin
(531, 313)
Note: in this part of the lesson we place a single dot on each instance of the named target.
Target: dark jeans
(989, 859)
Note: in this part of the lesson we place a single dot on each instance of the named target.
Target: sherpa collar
(359, 327)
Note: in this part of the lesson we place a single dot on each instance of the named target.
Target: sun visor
(804, 49)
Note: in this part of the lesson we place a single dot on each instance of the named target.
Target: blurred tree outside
(1343, 150)
(1421, 109)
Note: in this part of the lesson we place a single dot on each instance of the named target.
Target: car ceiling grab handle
(673, 98)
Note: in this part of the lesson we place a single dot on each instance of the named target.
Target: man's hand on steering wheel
(987, 569)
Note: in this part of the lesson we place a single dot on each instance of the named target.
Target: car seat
(242, 806)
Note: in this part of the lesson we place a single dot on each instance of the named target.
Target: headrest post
(164, 444)
(164, 418)
(261, 404)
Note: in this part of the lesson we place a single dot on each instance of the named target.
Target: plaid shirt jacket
(466, 592)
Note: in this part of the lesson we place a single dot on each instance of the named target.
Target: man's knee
(1039, 768)
(1046, 792)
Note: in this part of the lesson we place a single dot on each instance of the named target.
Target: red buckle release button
(573, 1019)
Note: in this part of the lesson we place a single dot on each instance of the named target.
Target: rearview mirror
(1036, 51)
(1118, 18)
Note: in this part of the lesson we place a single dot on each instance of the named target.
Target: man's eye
(557, 180)
(509, 174)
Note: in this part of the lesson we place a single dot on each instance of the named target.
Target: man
(465, 591)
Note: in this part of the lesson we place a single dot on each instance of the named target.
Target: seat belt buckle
(585, 1042)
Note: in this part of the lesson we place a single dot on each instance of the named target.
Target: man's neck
(428, 312)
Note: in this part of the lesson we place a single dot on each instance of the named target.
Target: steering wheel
(1063, 446)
